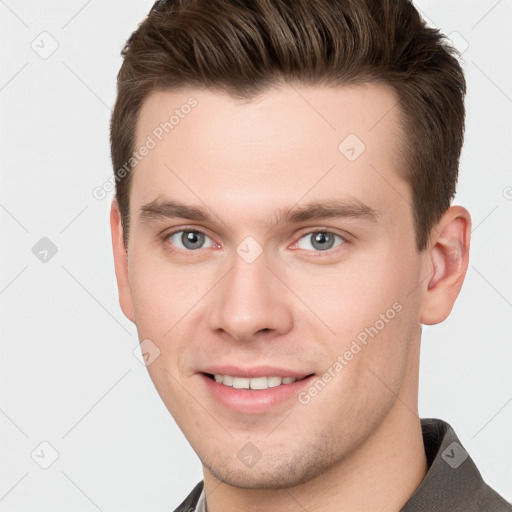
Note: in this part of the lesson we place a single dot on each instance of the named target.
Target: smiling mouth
(254, 383)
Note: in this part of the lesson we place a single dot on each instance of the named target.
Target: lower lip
(254, 401)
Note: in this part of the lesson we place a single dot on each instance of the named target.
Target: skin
(358, 442)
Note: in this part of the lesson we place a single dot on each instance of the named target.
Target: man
(246, 136)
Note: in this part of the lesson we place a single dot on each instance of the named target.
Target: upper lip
(255, 371)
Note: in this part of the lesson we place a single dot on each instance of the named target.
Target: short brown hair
(244, 47)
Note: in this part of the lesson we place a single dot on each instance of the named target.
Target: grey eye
(188, 239)
(319, 241)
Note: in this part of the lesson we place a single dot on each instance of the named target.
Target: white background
(68, 373)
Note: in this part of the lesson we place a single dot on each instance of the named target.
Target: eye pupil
(325, 240)
(192, 239)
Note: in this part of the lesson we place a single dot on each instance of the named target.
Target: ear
(121, 261)
(446, 263)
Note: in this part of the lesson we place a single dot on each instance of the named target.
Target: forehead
(286, 144)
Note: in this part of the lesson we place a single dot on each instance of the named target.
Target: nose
(250, 300)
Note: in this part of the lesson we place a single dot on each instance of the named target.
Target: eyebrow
(327, 209)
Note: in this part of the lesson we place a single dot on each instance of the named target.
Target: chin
(276, 473)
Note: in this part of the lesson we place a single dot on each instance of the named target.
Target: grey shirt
(452, 483)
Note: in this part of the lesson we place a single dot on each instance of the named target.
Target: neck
(380, 475)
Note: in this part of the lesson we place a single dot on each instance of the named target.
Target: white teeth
(254, 383)
(240, 383)
(259, 383)
(274, 381)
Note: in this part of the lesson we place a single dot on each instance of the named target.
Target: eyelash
(314, 253)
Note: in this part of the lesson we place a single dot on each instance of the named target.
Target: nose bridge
(249, 299)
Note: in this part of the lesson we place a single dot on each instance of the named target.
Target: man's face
(248, 290)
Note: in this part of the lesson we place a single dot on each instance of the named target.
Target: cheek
(366, 365)
(371, 314)
(347, 299)
(167, 301)
(162, 293)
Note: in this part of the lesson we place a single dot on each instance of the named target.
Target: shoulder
(190, 502)
(453, 482)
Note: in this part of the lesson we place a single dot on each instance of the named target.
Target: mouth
(255, 394)
(253, 383)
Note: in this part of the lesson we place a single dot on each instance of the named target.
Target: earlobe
(448, 259)
(121, 262)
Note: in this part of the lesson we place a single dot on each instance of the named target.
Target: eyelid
(325, 229)
(177, 229)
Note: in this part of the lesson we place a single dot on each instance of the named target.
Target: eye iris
(326, 240)
(192, 239)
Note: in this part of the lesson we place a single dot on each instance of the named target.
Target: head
(245, 136)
